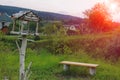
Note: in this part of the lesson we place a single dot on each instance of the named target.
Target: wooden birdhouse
(23, 19)
(21, 27)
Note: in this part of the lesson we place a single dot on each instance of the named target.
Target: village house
(5, 21)
(71, 29)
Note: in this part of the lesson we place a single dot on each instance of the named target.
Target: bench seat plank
(79, 64)
(92, 67)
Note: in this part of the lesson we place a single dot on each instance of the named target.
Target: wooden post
(5, 78)
(22, 57)
(66, 67)
(37, 24)
(22, 27)
(92, 71)
(14, 23)
(19, 26)
(28, 27)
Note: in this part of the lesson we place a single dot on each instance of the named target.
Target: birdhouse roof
(26, 16)
(4, 17)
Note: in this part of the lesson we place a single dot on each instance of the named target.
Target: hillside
(44, 15)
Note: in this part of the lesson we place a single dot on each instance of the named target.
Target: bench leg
(66, 67)
(92, 71)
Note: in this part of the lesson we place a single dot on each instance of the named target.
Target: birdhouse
(21, 26)
(21, 23)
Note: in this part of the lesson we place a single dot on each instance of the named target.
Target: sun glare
(113, 7)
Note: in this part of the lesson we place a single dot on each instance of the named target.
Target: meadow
(46, 54)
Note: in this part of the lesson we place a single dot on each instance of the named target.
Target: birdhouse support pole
(22, 57)
(37, 24)
(22, 26)
(14, 22)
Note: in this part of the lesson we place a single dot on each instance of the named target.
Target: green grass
(45, 66)
(9, 65)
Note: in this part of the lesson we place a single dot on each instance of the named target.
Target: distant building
(5, 20)
(72, 29)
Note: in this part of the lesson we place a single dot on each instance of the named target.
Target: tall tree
(98, 17)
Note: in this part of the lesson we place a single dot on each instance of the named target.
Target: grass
(9, 65)
(45, 66)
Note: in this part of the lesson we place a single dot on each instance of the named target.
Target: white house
(73, 27)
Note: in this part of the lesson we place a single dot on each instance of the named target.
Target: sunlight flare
(112, 5)
(113, 8)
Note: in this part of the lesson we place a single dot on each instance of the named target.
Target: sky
(69, 7)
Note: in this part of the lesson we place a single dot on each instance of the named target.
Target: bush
(59, 46)
(104, 45)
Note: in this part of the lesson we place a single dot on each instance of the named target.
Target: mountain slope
(44, 15)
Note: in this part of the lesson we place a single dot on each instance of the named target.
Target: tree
(53, 28)
(98, 17)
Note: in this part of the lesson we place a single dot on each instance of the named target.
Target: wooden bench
(92, 67)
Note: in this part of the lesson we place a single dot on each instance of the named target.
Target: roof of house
(4, 17)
